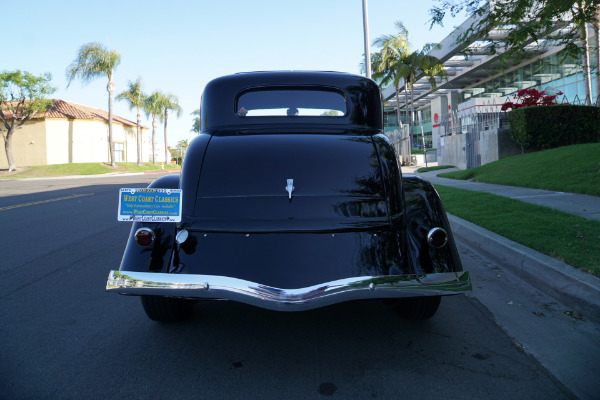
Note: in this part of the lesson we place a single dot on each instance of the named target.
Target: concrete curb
(567, 284)
(170, 171)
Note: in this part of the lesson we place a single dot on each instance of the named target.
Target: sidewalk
(108, 174)
(564, 282)
(581, 205)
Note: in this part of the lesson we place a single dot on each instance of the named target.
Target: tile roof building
(73, 133)
(65, 109)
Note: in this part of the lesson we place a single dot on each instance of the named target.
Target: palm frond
(133, 95)
(93, 60)
(153, 105)
(170, 102)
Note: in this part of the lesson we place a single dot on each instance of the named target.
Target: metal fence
(581, 102)
(484, 115)
(399, 137)
(489, 115)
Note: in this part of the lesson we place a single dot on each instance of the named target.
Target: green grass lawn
(569, 238)
(437, 167)
(573, 169)
(81, 169)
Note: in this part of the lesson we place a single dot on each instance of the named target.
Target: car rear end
(292, 199)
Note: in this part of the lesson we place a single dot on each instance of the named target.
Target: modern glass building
(480, 76)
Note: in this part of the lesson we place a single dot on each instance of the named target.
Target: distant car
(293, 199)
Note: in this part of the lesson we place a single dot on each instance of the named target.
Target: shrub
(555, 126)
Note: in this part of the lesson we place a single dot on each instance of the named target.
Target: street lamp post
(366, 31)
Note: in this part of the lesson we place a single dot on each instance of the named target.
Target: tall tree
(135, 97)
(153, 107)
(22, 97)
(95, 60)
(169, 103)
(529, 20)
(196, 123)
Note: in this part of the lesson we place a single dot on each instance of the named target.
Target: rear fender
(155, 257)
(424, 211)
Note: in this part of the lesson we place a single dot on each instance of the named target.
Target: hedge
(546, 127)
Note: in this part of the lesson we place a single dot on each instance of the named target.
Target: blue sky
(178, 46)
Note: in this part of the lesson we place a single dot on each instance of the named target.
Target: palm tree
(394, 62)
(389, 67)
(419, 63)
(94, 60)
(153, 107)
(169, 103)
(388, 64)
(135, 97)
(183, 145)
(196, 125)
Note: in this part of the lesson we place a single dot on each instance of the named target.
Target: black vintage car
(292, 199)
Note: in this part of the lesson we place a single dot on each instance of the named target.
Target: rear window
(291, 102)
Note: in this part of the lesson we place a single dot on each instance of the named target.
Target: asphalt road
(64, 337)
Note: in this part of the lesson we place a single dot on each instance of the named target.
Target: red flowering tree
(531, 97)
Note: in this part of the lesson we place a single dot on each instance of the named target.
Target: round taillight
(144, 237)
(437, 237)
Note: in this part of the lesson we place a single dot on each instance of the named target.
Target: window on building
(119, 152)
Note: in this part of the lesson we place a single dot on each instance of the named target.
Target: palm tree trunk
(153, 138)
(111, 148)
(398, 108)
(412, 108)
(167, 158)
(407, 121)
(406, 101)
(138, 137)
(399, 149)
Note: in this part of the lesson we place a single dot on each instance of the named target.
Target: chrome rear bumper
(256, 294)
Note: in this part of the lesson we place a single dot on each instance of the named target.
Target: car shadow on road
(359, 349)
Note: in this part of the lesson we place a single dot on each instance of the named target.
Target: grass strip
(427, 169)
(82, 169)
(573, 169)
(568, 238)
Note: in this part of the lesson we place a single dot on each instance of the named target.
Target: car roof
(362, 96)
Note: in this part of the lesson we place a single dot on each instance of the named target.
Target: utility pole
(366, 30)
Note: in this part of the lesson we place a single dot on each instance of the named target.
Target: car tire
(166, 309)
(417, 308)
